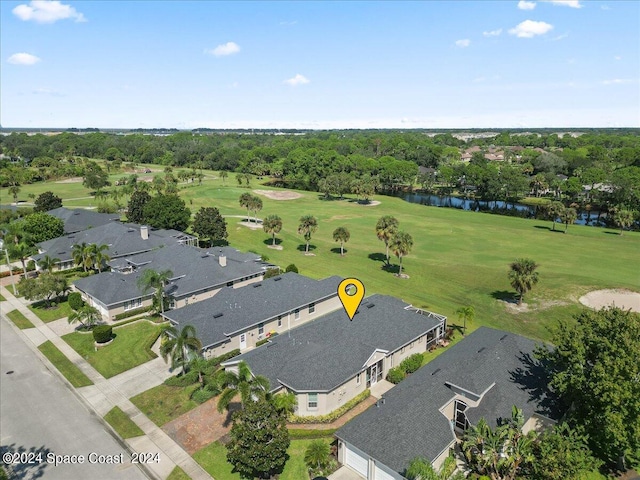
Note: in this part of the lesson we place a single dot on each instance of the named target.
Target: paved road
(40, 415)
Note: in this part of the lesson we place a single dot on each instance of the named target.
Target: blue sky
(420, 64)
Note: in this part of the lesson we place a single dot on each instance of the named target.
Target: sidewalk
(106, 394)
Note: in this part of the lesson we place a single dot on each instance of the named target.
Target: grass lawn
(130, 347)
(2, 299)
(178, 474)
(57, 310)
(213, 459)
(19, 319)
(164, 403)
(122, 424)
(64, 365)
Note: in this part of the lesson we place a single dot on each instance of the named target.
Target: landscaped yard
(122, 424)
(19, 319)
(64, 365)
(130, 347)
(55, 312)
(214, 460)
(164, 403)
(178, 474)
(2, 299)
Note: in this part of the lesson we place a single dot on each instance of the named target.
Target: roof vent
(277, 279)
(71, 236)
(503, 337)
(256, 285)
(217, 315)
(480, 350)
(129, 230)
(204, 256)
(371, 305)
(435, 371)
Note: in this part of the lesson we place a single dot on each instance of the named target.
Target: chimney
(222, 260)
(144, 232)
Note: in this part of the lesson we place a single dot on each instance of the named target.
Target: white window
(261, 329)
(312, 401)
(358, 379)
(296, 314)
(131, 304)
(312, 307)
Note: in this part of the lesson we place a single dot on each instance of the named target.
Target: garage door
(356, 461)
(382, 475)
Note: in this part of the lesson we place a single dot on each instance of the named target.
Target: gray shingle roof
(193, 269)
(323, 354)
(78, 219)
(409, 424)
(250, 305)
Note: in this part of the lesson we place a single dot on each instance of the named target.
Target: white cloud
(605, 7)
(225, 49)
(288, 24)
(45, 11)
(617, 57)
(524, 5)
(530, 28)
(297, 80)
(492, 33)
(479, 79)
(560, 37)
(465, 42)
(23, 59)
(47, 91)
(618, 81)
(565, 3)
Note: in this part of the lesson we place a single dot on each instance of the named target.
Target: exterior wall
(184, 301)
(249, 281)
(439, 460)
(417, 346)
(537, 423)
(328, 402)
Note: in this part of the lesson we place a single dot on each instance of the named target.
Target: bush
(272, 272)
(396, 375)
(75, 301)
(300, 434)
(330, 417)
(265, 340)
(85, 274)
(31, 266)
(182, 380)
(102, 333)
(291, 268)
(131, 313)
(201, 395)
(215, 361)
(412, 363)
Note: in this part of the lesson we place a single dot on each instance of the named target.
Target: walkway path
(105, 394)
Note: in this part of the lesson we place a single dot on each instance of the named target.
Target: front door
(243, 341)
(374, 374)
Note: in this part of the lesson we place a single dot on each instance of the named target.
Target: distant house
(241, 318)
(79, 219)
(196, 275)
(123, 239)
(330, 360)
(482, 376)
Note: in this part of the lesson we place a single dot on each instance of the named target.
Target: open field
(130, 347)
(459, 258)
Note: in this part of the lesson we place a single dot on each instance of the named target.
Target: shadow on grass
(505, 296)
(269, 241)
(377, 257)
(613, 233)
(543, 227)
(330, 198)
(337, 250)
(391, 268)
(303, 248)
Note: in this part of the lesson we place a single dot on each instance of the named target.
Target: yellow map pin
(351, 293)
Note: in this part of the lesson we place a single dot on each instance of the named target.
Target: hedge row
(265, 340)
(303, 433)
(131, 313)
(406, 367)
(330, 417)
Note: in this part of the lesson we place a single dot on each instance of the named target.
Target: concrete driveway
(345, 473)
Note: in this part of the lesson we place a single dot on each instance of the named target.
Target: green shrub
(215, 361)
(201, 395)
(300, 433)
(85, 274)
(272, 272)
(330, 417)
(291, 268)
(75, 300)
(31, 266)
(182, 380)
(102, 333)
(396, 375)
(412, 363)
(265, 340)
(131, 313)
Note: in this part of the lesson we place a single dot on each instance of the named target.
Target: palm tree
(96, 255)
(386, 228)
(156, 280)
(182, 347)
(342, 235)
(223, 175)
(14, 190)
(308, 225)
(245, 202)
(285, 402)
(623, 218)
(255, 205)
(22, 251)
(523, 276)
(400, 245)
(47, 263)
(568, 216)
(316, 456)
(250, 387)
(86, 315)
(465, 314)
(79, 253)
(272, 224)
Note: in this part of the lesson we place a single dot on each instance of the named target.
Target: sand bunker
(625, 299)
(279, 195)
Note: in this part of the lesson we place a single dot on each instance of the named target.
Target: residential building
(330, 360)
(482, 376)
(79, 219)
(195, 275)
(241, 318)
